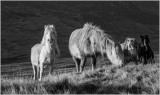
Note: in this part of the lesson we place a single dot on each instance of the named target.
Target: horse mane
(125, 44)
(88, 30)
(99, 35)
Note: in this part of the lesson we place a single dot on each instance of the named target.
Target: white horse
(90, 41)
(45, 53)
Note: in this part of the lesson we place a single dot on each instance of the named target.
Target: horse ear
(45, 26)
(140, 36)
(125, 43)
(51, 25)
(126, 39)
(146, 36)
(135, 40)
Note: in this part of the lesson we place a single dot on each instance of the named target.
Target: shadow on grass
(65, 86)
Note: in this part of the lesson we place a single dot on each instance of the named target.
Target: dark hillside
(22, 23)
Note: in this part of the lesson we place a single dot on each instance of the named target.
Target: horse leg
(51, 67)
(152, 60)
(37, 71)
(93, 61)
(41, 71)
(83, 60)
(149, 60)
(138, 58)
(135, 60)
(145, 60)
(77, 62)
(142, 60)
(34, 72)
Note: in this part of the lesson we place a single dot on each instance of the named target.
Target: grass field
(106, 79)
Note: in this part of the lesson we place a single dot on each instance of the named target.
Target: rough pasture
(106, 79)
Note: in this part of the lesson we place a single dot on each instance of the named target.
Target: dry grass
(130, 79)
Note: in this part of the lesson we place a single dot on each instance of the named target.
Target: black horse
(145, 53)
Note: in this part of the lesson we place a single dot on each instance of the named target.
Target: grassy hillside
(106, 79)
(22, 23)
(131, 79)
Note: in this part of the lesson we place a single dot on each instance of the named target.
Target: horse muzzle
(130, 47)
(50, 41)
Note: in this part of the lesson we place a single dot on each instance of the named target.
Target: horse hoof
(39, 79)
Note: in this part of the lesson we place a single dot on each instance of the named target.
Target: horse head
(130, 43)
(50, 34)
(144, 41)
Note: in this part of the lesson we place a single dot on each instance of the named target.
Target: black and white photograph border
(79, 47)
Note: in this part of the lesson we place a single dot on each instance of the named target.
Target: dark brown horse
(145, 53)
